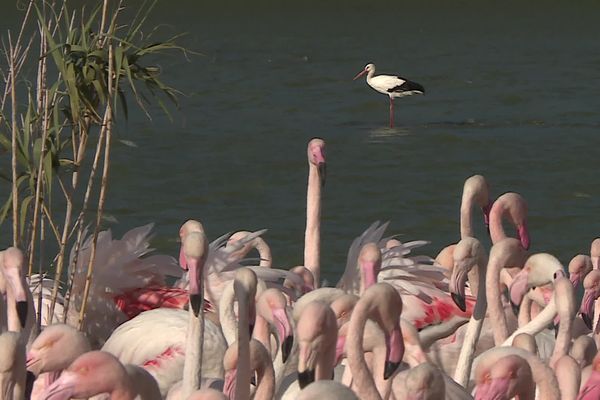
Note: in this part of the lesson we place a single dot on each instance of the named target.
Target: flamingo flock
(471, 322)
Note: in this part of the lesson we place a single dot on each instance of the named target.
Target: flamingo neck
(242, 387)
(496, 228)
(262, 332)
(467, 352)
(227, 314)
(568, 374)
(264, 252)
(312, 235)
(265, 388)
(492, 288)
(466, 228)
(192, 367)
(365, 385)
(566, 312)
(544, 378)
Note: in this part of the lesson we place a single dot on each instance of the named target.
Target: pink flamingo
(381, 303)
(595, 252)
(508, 377)
(326, 389)
(97, 372)
(316, 180)
(55, 348)
(19, 302)
(12, 366)
(475, 193)
(513, 206)
(542, 375)
(259, 362)
(317, 336)
(168, 342)
(591, 388)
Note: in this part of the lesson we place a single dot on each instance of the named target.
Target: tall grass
(90, 65)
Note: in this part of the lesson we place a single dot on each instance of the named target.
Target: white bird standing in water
(392, 85)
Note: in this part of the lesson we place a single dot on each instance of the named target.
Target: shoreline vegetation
(69, 75)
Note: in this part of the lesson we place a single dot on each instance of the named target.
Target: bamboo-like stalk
(15, 132)
(107, 125)
(41, 274)
(42, 109)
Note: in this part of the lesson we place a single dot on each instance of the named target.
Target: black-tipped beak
(390, 369)
(196, 303)
(487, 229)
(459, 300)
(555, 327)
(22, 312)
(253, 380)
(286, 348)
(30, 379)
(251, 328)
(588, 321)
(306, 377)
(322, 168)
(515, 308)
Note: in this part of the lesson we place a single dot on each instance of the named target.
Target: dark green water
(513, 92)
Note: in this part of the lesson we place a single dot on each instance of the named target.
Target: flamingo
(19, 302)
(317, 337)
(393, 86)
(52, 351)
(505, 378)
(591, 388)
(98, 372)
(381, 303)
(475, 193)
(513, 206)
(591, 286)
(12, 366)
(259, 362)
(424, 382)
(542, 375)
(595, 252)
(317, 169)
(163, 340)
(326, 389)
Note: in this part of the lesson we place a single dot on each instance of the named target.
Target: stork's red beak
(361, 73)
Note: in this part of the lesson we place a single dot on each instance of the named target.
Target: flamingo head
(465, 257)
(188, 226)
(369, 261)
(342, 308)
(316, 157)
(195, 250)
(385, 307)
(502, 379)
(90, 374)
(56, 347)
(539, 270)
(591, 286)
(272, 305)
(316, 334)
(12, 268)
(579, 267)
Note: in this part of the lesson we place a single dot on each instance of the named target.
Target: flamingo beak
(284, 331)
(587, 308)
(369, 271)
(339, 349)
(361, 73)
(322, 169)
(229, 383)
(523, 234)
(518, 288)
(457, 286)
(195, 290)
(395, 350)
(62, 389)
(496, 389)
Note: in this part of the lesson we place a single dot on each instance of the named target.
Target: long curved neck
(466, 206)
(536, 325)
(384, 386)
(492, 288)
(525, 311)
(544, 378)
(496, 228)
(467, 352)
(365, 384)
(192, 367)
(264, 251)
(265, 388)
(568, 374)
(242, 387)
(312, 235)
(566, 312)
(227, 314)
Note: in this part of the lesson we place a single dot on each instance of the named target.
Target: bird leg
(391, 112)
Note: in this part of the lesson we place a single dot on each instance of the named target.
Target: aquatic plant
(59, 120)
